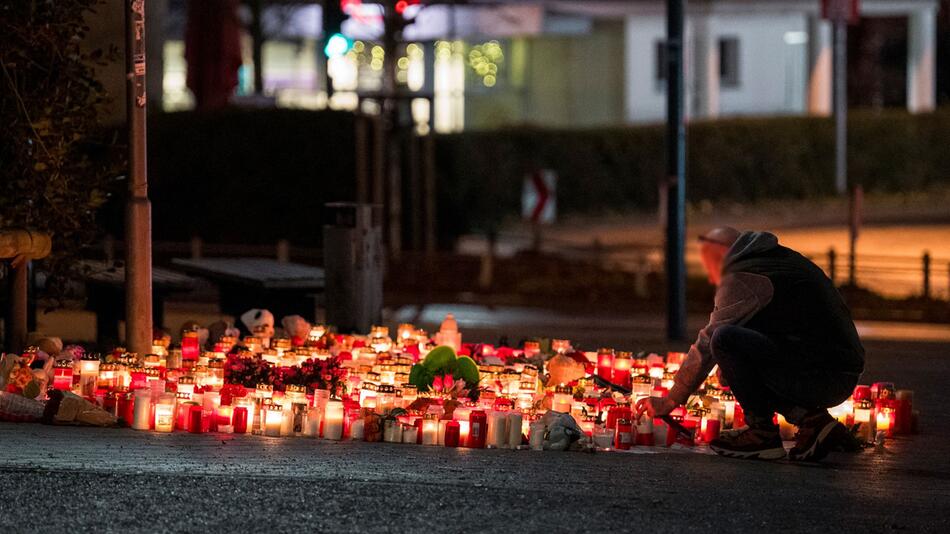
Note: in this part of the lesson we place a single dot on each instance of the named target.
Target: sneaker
(816, 437)
(751, 443)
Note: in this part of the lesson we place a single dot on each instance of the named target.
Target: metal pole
(392, 128)
(257, 46)
(926, 274)
(675, 174)
(17, 325)
(138, 231)
(840, 67)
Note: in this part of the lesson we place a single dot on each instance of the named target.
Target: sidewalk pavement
(56, 479)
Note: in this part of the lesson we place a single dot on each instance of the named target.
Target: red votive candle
(478, 429)
(452, 432)
(194, 420)
(189, 346)
(126, 407)
(239, 420)
(605, 363)
(710, 429)
(624, 436)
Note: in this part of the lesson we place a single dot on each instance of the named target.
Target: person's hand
(659, 406)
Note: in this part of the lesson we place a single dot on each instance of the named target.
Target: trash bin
(353, 262)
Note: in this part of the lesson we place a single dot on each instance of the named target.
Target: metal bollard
(353, 262)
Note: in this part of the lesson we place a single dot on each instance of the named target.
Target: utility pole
(138, 221)
(675, 175)
(840, 68)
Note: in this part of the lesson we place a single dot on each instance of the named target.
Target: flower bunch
(248, 370)
(314, 374)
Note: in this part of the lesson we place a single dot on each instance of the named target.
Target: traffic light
(335, 43)
(402, 5)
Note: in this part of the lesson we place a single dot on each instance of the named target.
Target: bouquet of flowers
(248, 370)
(315, 374)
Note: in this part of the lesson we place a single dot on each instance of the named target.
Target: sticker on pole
(841, 10)
(539, 198)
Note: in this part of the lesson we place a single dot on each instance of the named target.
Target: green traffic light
(337, 45)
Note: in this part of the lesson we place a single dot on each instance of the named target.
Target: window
(729, 62)
(659, 73)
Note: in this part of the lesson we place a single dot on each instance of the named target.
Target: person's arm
(738, 298)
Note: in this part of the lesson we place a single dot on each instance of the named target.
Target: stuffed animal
(297, 328)
(260, 323)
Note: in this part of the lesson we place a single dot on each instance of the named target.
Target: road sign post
(539, 201)
(675, 184)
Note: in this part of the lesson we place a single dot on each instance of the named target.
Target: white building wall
(773, 63)
(644, 99)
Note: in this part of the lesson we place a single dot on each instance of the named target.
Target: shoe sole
(776, 453)
(817, 451)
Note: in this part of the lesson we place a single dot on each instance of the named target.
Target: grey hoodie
(739, 297)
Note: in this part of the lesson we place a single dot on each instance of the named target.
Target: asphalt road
(104, 480)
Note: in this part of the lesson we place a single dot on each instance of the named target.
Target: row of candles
(180, 389)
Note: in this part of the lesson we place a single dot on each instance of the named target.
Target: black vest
(806, 315)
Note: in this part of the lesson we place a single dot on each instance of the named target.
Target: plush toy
(297, 328)
(260, 323)
(561, 432)
(564, 369)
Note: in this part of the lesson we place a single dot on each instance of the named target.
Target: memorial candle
(623, 362)
(430, 430)
(138, 378)
(478, 429)
(624, 437)
(452, 433)
(862, 418)
(63, 375)
(605, 363)
(885, 419)
(563, 399)
(515, 421)
(142, 409)
(239, 419)
(165, 413)
(189, 345)
(273, 419)
(88, 375)
(333, 420)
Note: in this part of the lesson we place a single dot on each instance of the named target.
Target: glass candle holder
(605, 363)
(623, 363)
(165, 413)
(563, 399)
(333, 420)
(89, 375)
(189, 345)
(63, 375)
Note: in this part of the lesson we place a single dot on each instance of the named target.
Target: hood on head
(750, 244)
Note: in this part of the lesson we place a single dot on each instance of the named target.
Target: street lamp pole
(138, 221)
(840, 68)
(675, 174)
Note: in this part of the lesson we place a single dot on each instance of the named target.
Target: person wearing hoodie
(784, 342)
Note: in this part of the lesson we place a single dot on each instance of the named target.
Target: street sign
(539, 198)
(841, 10)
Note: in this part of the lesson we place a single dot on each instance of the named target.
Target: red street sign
(841, 10)
(538, 198)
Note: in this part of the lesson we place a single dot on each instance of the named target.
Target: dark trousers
(767, 377)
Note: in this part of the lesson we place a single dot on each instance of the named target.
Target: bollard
(926, 274)
(832, 266)
(353, 263)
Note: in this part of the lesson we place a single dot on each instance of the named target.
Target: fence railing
(890, 275)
